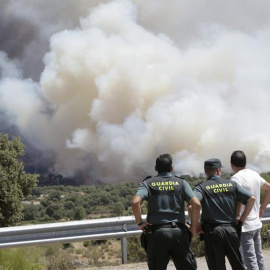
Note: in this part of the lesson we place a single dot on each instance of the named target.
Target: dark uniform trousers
(221, 240)
(167, 242)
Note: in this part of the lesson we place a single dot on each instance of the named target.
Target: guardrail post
(124, 250)
(124, 245)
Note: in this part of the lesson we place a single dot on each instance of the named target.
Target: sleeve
(142, 191)
(242, 194)
(236, 179)
(198, 193)
(188, 193)
(262, 181)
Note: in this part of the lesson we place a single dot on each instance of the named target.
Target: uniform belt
(169, 225)
(212, 226)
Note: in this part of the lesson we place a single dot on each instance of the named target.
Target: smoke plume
(107, 86)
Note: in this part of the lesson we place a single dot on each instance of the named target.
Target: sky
(100, 89)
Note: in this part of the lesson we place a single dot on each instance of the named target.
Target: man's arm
(266, 198)
(248, 208)
(189, 208)
(238, 209)
(194, 214)
(136, 208)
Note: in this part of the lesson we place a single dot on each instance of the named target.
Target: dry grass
(108, 253)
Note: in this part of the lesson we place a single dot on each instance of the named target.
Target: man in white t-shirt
(250, 237)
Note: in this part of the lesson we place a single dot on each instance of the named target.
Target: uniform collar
(165, 174)
(213, 177)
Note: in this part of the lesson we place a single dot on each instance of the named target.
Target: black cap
(212, 163)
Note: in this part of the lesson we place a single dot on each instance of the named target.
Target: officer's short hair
(164, 163)
(238, 158)
(212, 164)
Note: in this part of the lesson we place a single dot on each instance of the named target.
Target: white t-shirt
(251, 181)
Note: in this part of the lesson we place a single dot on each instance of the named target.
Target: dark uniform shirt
(218, 197)
(165, 194)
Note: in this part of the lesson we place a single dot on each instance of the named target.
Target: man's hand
(239, 222)
(199, 229)
(192, 229)
(144, 224)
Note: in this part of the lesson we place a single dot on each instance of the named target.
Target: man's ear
(171, 169)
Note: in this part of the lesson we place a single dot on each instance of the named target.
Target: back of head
(164, 163)
(238, 159)
(211, 165)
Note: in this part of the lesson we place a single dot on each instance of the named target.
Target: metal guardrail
(75, 231)
(72, 231)
(96, 229)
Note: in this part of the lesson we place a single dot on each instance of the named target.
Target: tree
(31, 212)
(15, 183)
(79, 213)
(55, 210)
(37, 191)
(55, 195)
(118, 209)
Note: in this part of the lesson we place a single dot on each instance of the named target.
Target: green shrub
(95, 257)
(86, 243)
(79, 251)
(135, 252)
(60, 261)
(99, 242)
(15, 259)
(51, 250)
(264, 230)
(197, 247)
(67, 245)
(79, 213)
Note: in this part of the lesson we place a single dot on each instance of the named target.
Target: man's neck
(237, 169)
(209, 177)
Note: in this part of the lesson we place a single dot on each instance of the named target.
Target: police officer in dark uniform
(169, 237)
(219, 199)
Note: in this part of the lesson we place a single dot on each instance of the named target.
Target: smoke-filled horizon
(107, 86)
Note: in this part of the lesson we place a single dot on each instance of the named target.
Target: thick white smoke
(135, 79)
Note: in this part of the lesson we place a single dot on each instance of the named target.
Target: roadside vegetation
(64, 203)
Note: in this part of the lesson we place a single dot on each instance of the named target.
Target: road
(200, 262)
